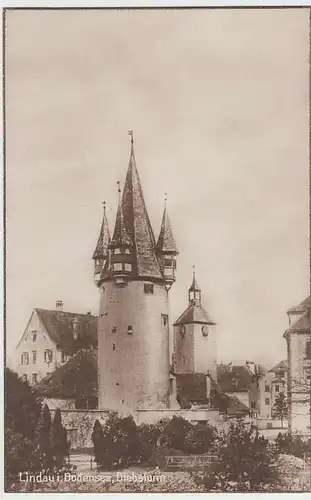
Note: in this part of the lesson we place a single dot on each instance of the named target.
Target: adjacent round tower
(133, 328)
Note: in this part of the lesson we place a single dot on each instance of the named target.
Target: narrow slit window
(130, 330)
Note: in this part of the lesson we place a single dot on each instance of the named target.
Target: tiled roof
(302, 307)
(76, 378)
(166, 241)
(120, 235)
(191, 387)
(194, 314)
(302, 324)
(234, 378)
(59, 326)
(103, 241)
(279, 367)
(136, 227)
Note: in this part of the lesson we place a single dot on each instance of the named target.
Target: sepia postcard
(157, 258)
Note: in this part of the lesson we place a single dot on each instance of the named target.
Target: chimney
(89, 313)
(59, 305)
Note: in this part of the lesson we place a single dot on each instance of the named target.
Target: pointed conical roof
(120, 235)
(166, 241)
(103, 241)
(194, 286)
(133, 225)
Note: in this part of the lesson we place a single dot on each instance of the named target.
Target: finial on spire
(104, 205)
(131, 133)
(119, 190)
(193, 271)
(165, 199)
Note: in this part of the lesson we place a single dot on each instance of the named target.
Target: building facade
(50, 339)
(298, 341)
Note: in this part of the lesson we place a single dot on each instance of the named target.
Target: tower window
(148, 288)
(182, 331)
(277, 388)
(184, 359)
(113, 347)
(117, 266)
(130, 330)
(34, 357)
(25, 358)
(164, 318)
(114, 329)
(267, 401)
(267, 388)
(127, 267)
(168, 263)
(97, 262)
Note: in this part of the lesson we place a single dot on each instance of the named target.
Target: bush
(21, 411)
(60, 446)
(292, 444)
(245, 462)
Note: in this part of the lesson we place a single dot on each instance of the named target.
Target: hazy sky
(218, 100)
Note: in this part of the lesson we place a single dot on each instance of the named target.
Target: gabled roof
(75, 379)
(194, 314)
(280, 367)
(59, 326)
(301, 325)
(103, 241)
(234, 378)
(166, 241)
(302, 307)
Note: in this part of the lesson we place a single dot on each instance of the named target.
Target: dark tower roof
(133, 227)
(103, 241)
(166, 241)
(195, 313)
(120, 235)
(194, 286)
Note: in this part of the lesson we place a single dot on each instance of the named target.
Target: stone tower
(133, 329)
(195, 346)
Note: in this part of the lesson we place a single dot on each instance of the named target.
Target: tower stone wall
(133, 345)
(205, 349)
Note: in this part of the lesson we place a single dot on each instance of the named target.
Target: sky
(218, 101)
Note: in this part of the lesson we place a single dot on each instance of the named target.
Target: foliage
(43, 440)
(280, 407)
(115, 446)
(245, 462)
(187, 437)
(292, 444)
(97, 438)
(59, 444)
(21, 411)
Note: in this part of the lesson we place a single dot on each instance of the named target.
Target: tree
(22, 408)
(98, 441)
(118, 442)
(43, 440)
(60, 446)
(280, 407)
(245, 462)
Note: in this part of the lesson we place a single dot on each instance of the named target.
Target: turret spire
(120, 235)
(101, 250)
(194, 291)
